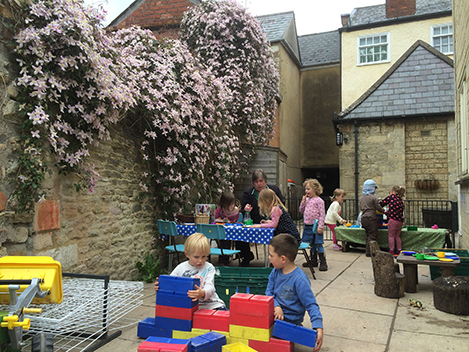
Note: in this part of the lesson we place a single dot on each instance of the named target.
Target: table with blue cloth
(238, 233)
(411, 240)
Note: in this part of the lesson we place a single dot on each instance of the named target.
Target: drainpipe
(356, 169)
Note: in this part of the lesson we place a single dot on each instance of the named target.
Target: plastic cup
(440, 254)
(420, 256)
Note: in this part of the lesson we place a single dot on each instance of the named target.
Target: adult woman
(249, 203)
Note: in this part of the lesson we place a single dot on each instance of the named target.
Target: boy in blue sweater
(290, 286)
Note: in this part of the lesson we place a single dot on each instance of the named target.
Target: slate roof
(276, 25)
(320, 48)
(419, 83)
(377, 13)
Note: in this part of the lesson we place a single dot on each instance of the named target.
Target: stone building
(105, 233)
(397, 116)
(461, 50)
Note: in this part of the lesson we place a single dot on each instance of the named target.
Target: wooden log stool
(451, 294)
(389, 282)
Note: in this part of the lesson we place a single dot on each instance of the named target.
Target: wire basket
(202, 219)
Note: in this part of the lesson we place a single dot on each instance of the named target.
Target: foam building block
(154, 343)
(211, 320)
(294, 333)
(175, 312)
(209, 342)
(177, 284)
(258, 305)
(249, 333)
(174, 299)
(147, 328)
(274, 345)
(237, 347)
(173, 324)
(253, 321)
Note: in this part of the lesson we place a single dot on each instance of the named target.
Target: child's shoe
(391, 251)
(323, 262)
(336, 247)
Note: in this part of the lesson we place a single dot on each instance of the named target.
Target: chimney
(400, 8)
(345, 20)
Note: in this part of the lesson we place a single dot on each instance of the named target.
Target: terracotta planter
(427, 185)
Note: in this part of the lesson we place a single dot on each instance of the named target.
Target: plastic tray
(243, 280)
(462, 270)
(27, 268)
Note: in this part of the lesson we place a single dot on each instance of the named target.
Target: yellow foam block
(250, 333)
(184, 334)
(230, 340)
(237, 347)
(31, 267)
(200, 331)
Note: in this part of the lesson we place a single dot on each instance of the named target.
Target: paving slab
(355, 319)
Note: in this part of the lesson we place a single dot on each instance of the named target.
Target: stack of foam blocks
(179, 325)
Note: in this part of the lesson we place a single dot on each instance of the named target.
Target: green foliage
(149, 270)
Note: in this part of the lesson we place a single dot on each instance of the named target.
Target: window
(373, 49)
(442, 38)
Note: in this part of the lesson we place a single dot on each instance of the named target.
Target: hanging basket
(427, 185)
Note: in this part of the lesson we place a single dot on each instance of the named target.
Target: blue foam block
(294, 333)
(168, 340)
(209, 342)
(177, 284)
(179, 300)
(147, 328)
(173, 324)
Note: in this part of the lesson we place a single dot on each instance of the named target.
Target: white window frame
(440, 36)
(374, 44)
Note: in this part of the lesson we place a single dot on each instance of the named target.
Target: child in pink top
(312, 207)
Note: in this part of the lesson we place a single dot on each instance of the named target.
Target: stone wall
(396, 153)
(105, 233)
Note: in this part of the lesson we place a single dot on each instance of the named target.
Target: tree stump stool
(389, 282)
(451, 294)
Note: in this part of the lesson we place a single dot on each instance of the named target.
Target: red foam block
(274, 345)
(211, 320)
(175, 312)
(253, 321)
(248, 304)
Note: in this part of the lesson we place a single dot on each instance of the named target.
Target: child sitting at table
(227, 211)
(197, 249)
(290, 287)
(271, 206)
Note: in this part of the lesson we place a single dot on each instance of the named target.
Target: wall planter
(427, 185)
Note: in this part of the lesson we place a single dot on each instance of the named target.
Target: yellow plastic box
(30, 267)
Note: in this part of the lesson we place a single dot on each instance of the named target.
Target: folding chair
(216, 232)
(169, 229)
(305, 247)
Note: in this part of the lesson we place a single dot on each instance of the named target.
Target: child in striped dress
(312, 207)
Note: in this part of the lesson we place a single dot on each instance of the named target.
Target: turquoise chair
(169, 229)
(216, 232)
(306, 247)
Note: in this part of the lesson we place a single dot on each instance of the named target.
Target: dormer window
(373, 49)
(442, 38)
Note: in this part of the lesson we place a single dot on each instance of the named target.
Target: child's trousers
(394, 235)
(371, 228)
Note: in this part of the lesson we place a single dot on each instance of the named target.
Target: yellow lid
(31, 267)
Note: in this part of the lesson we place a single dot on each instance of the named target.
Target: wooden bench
(389, 282)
